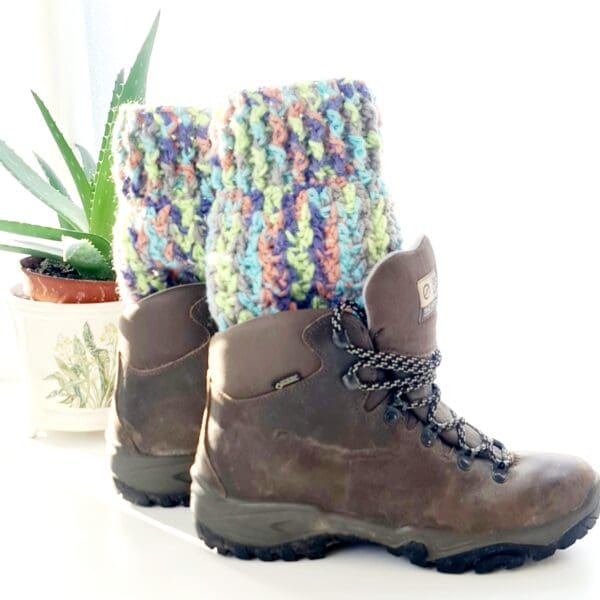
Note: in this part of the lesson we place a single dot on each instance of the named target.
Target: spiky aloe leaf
(86, 259)
(133, 90)
(51, 176)
(104, 202)
(30, 248)
(55, 234)
(55, 182)
(59, 203)
(89, 166)
(77, 173)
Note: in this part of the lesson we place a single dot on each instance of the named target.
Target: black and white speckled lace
(414, 373)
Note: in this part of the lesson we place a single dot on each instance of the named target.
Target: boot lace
(406, 374)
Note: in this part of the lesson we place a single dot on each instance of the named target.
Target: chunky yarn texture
(162, 174)
(301, 214)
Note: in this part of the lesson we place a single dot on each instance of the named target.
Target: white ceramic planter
(69, 357)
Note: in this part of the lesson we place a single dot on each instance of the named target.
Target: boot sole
(152, 480)
(140, 498)
(250, 530)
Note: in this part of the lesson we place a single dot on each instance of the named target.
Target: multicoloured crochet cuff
(162, 176)
(301, 213)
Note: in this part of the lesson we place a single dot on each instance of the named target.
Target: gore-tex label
(427, 287)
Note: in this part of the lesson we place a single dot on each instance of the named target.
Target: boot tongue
(400, 298)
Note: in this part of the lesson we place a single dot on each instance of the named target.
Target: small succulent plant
(83, 239)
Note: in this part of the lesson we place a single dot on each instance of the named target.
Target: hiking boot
(325, 427)
(160, 395)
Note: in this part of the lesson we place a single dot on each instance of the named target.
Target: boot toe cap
(552, 486)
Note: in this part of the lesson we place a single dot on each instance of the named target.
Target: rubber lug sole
(149, 498)
(148, 480)
(481, 560)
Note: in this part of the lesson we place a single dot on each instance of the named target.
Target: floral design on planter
(86, 371)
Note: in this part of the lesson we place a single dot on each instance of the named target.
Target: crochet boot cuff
(162, 177)
(301, 213)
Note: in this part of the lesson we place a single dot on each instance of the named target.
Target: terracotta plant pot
(60, 290)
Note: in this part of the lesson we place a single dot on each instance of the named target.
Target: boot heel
(150, 498)
(151, 480)
(267, 531)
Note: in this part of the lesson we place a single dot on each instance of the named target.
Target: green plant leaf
(51, 176)
(77, 173)
(59, 203)
(104, 204)
(55, 182)
(32, 249)
(55, 234)
(133, 90)
(86, 259)
(89, 166)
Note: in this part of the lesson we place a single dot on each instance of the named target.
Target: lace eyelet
(465, 459)
(405, 373)
(391, 415)
(351, 381)
(340, 339)
(500, 472)
(498, 444)
(429, 435)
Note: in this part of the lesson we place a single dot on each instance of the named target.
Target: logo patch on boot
(294, 378)
(427, 287)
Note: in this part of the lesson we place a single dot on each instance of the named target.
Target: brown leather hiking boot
(325, 427)
(160, 396)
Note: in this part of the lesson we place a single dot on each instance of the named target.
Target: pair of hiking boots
(305, 429)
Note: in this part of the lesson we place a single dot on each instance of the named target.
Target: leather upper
(316, 442)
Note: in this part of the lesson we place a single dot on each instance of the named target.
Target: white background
(491, 130)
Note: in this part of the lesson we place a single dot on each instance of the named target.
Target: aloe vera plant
(83, 238)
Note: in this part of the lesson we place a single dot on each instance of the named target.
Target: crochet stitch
(162, 177)
(301, 213)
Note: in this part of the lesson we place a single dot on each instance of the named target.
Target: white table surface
(66, 534)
